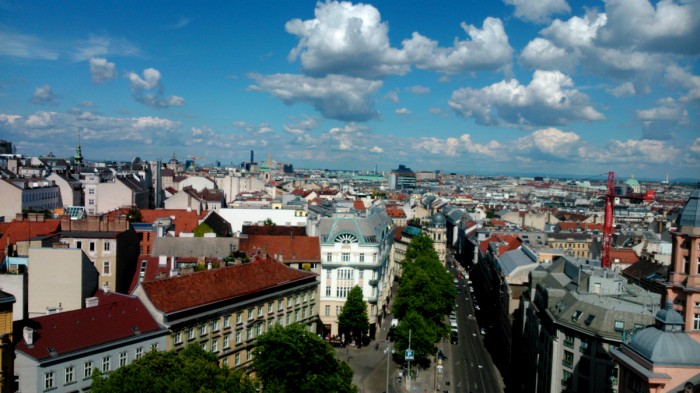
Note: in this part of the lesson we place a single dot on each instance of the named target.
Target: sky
(547, 87)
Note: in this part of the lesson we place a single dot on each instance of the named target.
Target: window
(87, 369)
(696, 321)
(92, 246)
(215, 326)
(178, 338)
(345, 274)
(139, 352)
(227, 322)
(204, 346)
(329, 257)
(238, 337)
(249, 333)
(279, 305)
(91, 191)
(154, 347)
(224, 362)
(361, 274)
(260, 311)
(106, 246)
(203, 329)
(345, 257)
(328, 310)
(362, 257)
(106, 364)
(70, 374)
(215, 346)
(619, 326)
(78, 244)
(583, 347)
(568, 359)
(190, 334)
(249, 355)
(49, 382)
(328, 273)
(565, 380)
(227, 341)
(237, 359)
(250, 314)
(259, 329)
(289, 319)
(569, 341)
(105, 268)
(239, 317)
(270, 307)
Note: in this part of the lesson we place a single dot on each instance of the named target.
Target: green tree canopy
(134, 215)
(421, 245)
(202, 229)
(190, 370)
(268, 222)
(292, 359)
(353, 316)
(423, 336)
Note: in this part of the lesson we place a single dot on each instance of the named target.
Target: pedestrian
(376, 346)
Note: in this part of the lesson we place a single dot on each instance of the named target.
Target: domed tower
(438, 232)
(683, 285)
(659, 358)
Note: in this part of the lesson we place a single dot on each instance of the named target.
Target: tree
(268, 222)
(353, 316)
(202, 229)
(423, 337)
(190, 370)
(421, 245)
(134, 215)
(292, 359)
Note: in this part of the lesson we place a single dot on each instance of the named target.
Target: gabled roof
(18, 231)
(210, 286)
(396, 213)
(291, 248)
(359, 205)
(117, 317)
(184, 221)
(625, 256)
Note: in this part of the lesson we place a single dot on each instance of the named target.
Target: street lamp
(388, 351)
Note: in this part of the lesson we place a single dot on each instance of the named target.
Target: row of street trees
(286, 359)
(425, 296)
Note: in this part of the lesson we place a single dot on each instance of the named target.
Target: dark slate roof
(117, 317)
(198, 289)
(690, 214)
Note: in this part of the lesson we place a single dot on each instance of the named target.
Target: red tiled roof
(396, 213)
(185, 221)
(153, 270)
(70, 331)
(398, 232)
(210, 286)
(512, 243)
(592, 227)
(273, 230)
(18, 231)
(625, 256)
(498, 223)
(568, 226)
(358, 205)
(293, 248)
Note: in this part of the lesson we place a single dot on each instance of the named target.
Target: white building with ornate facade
(355, 251)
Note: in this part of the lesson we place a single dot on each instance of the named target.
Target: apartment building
(21, 194)
(224, 310)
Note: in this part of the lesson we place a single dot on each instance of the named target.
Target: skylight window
(590, 319)
(576, 315)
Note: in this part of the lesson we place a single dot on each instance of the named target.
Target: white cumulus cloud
(549, 99)
(44, 95)
(102, 70)
(148, 90)
(334, 96)
(538, 10)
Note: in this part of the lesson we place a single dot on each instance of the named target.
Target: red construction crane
(606, 261)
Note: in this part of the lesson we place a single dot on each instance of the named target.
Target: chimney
(28, 335)
(92, 302)
(105, 287)
(173, 272)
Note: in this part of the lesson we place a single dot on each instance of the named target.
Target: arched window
(346, 238)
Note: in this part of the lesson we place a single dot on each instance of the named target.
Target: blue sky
(514, 86)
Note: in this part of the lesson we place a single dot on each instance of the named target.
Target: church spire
(78, 156)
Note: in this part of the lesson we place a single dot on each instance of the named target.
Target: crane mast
(608, 225)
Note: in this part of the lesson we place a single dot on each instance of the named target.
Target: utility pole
(408, 377)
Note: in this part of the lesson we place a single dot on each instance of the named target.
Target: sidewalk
(370, 368)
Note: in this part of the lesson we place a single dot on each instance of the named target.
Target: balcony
(373, 282)
(372, 300)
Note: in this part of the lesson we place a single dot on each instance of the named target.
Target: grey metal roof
(512, 260)
(369, 229)
(690, 214)
(665, 347)
(208, 247)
